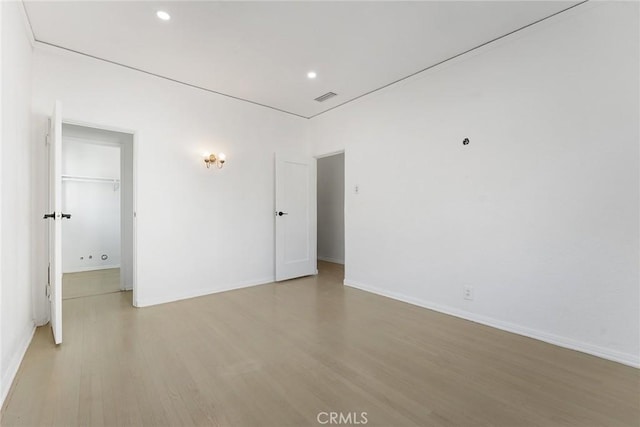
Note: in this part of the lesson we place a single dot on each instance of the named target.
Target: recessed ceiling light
(311, 74)
(163, 15)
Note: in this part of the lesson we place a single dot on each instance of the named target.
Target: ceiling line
(289, 112)
(449, 59)
(170, 79)
(26, 16)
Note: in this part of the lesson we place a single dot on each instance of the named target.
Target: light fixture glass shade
(163, 15)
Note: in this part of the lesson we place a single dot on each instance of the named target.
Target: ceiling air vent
(326, 96)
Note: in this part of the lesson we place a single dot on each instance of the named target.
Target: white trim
(594, 350)
(95, 267)
(12, 367)
(2, 387)
(332, 153)
(134, 274)
(82, 123)
(329, 259)
(27, 25)
(146, 302)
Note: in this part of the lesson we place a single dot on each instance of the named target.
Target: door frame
(134, 150)
(344, 216)
(332, 153)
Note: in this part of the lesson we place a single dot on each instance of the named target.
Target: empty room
(310, 213)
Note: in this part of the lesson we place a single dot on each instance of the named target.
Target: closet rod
(89, 178)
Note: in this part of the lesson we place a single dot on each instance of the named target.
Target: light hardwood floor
(278, 354)
(87, 283)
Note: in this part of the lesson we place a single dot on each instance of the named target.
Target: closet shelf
(89, 179)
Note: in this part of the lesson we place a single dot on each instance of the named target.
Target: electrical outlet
(356, 189)
(467, 292)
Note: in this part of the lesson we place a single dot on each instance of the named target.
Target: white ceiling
(262, 51)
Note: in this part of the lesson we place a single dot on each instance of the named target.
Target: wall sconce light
(212, 159)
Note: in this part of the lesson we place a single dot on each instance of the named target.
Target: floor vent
(326, 96)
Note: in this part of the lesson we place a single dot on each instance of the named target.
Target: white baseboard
(95, 267)
(328, 259)
(604, 353)
(14, 364)
(146, 302)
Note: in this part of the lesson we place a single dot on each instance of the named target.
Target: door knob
(67, 216)
(280, 213)
(51, 215)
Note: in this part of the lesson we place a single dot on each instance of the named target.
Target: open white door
(295, 217)
(55, 217)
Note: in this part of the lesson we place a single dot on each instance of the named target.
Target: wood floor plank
(279, 354)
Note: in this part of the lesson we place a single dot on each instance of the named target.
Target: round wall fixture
(465, 141)
(104, 257)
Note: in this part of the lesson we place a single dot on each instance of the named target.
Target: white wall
(16, 320)
(330, 172)
(198, 230)
(539, 213)
(94, 227)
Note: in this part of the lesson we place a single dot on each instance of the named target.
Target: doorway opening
(330, 206)
(97, 191)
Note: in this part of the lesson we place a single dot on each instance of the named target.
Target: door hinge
(46, 136)
(47, 289)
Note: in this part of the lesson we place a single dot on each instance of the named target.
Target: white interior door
(295, 217)
(55, 218)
